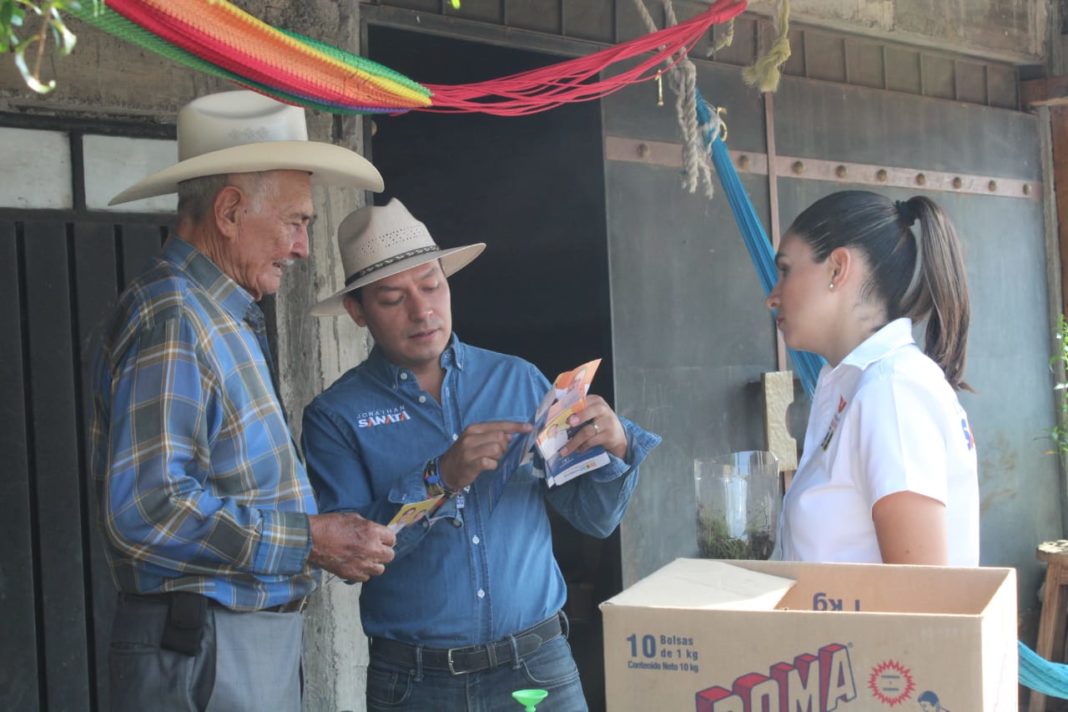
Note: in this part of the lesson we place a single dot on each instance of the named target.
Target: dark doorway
(532, 188)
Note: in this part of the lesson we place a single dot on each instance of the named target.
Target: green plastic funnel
(529, 698)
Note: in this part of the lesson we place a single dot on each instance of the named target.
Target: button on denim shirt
(482, 570)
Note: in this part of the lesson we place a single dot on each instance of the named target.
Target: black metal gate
(60, 273)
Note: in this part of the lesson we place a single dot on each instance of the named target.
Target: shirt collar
(453, 355)
(207, 275)
(890, 338)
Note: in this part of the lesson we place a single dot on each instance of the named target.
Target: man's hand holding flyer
(551, 430)
(550, 433)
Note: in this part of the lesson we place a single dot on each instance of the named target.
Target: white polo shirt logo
(968, 437)
(389, 416)
(834, 423)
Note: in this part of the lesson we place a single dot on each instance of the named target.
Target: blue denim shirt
(481, 571)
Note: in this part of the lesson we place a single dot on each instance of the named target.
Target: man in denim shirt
(469, 610)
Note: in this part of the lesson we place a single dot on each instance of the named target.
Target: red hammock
(216, 36)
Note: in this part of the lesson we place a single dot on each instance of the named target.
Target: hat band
(388, 261)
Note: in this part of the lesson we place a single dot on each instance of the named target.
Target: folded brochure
(539, 451)
(549, 434)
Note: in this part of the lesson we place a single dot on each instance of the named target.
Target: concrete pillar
(312, 353)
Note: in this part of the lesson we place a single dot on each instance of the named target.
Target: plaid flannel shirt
(200, 484)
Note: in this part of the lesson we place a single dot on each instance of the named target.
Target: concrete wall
(1012, 30)
(108, 79)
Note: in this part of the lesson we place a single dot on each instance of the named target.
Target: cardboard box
(763, 636)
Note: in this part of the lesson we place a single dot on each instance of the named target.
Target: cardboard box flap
(878, 588)
(704, 584)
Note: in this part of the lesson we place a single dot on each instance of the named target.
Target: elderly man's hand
(602, 427)
(346, 544)
(480, 447)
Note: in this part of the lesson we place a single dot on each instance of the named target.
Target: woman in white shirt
(889, 470)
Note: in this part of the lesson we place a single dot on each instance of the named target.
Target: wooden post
(1059, 135)
(1052, 93)
(778, 387)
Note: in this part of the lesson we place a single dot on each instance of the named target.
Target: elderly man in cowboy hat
(470, 610)
(211, 528)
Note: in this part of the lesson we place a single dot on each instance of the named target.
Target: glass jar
(738, 503)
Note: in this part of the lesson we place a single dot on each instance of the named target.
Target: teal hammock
(1040, 675)
(806, 365)
(1036, 672)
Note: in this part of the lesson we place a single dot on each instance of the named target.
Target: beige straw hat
(378, 242)
(246, 132)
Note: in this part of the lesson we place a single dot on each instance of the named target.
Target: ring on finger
(596, 427)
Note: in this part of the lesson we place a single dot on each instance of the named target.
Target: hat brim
(328, 164)
(452, 261)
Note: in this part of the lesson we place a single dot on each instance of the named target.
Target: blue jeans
(551, 667)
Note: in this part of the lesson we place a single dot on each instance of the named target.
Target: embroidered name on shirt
(834, 424)
(382, 417)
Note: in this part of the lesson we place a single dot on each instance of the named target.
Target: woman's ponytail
(941, 291)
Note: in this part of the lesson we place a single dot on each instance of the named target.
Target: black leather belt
(473, 658)
(294, 606)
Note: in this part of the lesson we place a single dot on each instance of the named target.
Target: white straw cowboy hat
(246, 132)
(378, 242)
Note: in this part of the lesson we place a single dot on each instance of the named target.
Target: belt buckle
(452, 669)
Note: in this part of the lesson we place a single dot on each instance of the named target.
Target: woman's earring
(830, 286)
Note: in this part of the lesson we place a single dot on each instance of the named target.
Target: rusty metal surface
(868, 126)
(661, 153)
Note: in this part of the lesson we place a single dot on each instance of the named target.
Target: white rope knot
(682, 77)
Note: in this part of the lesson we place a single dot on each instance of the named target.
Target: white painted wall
(114, 163)
(36, 169)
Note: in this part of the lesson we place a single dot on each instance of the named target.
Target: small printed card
(414, 512)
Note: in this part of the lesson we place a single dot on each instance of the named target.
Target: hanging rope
(703, 147)
(682, 78)
(767, 70)
(218, 38)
